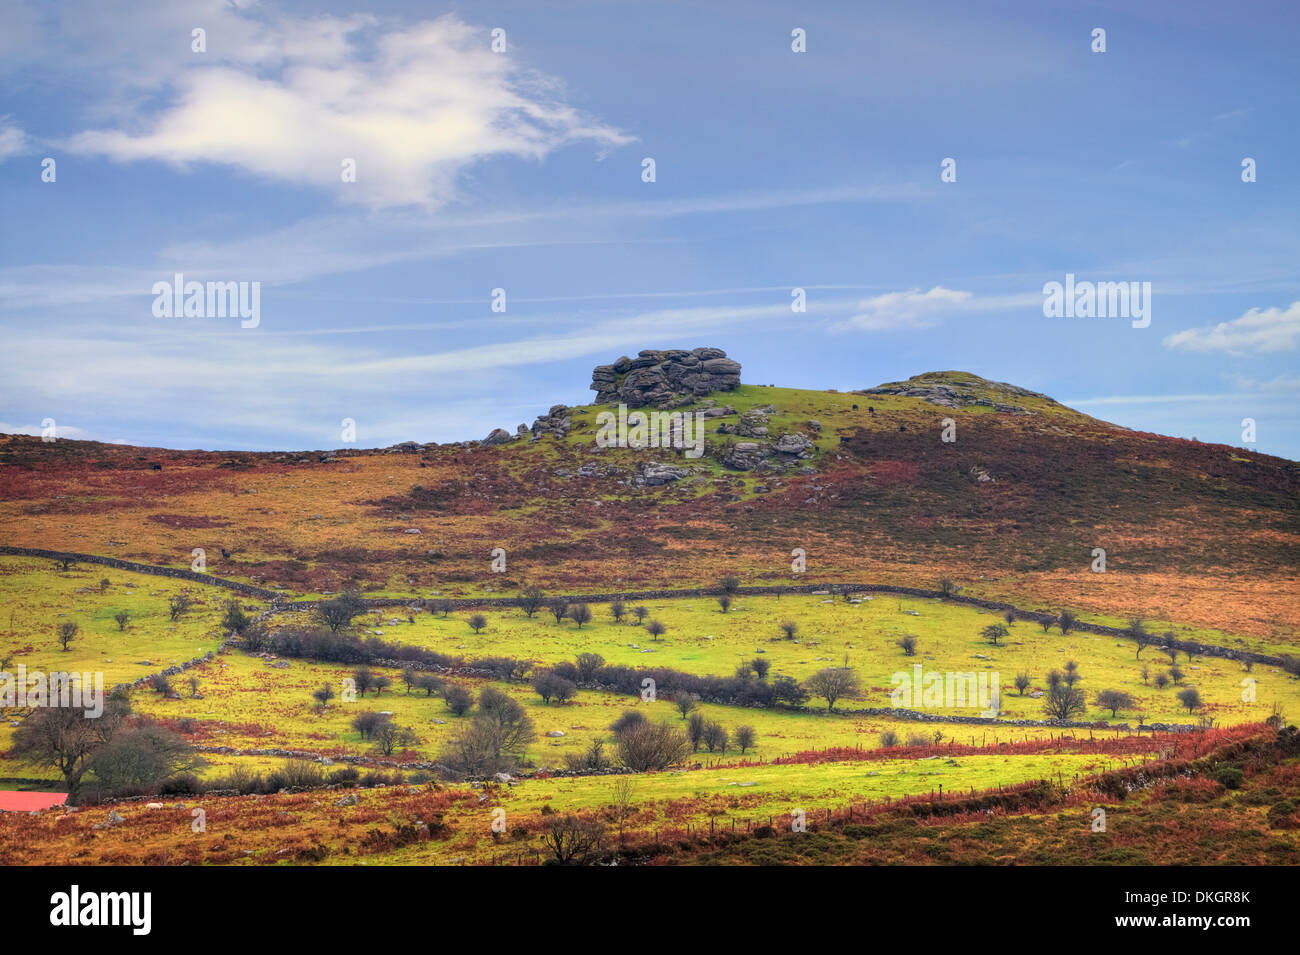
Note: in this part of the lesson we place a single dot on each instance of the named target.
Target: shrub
(629, 719)
(1282, 815)
(746, 738)
(1190, 698)
(458, 699)
(181, 784)
(1228, 776)
(572, 840)
(651, 746)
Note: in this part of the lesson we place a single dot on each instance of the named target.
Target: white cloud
(13, 141)
(413, 107)
(1258, 331)
(910, 309)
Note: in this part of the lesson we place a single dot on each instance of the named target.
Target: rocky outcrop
(665, 379)
(655, 474)
(957, 390)
(555, 422)
(798, 445)
(745, 456)
(498, 436)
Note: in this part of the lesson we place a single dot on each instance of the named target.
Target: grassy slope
(889, 505)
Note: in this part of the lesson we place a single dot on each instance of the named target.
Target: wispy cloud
(411, 108)
(1257, 331)
(13, 141)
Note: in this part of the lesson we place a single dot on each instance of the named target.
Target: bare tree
(995, 632)
(648, 747)
(745, 738)
(623, 790)
(655, 629)
(831, 684)
(580, 614)
(179, 605)
(1063, 702)
(532, 600)
(588, 665)
(1114, 700)
(66, 633)
(65, 738)
(1023, 682)
(123, 617)
(573, 839)
(323, 694)
(789, 628)
(477, 622)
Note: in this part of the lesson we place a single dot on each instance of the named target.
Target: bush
(1282, 815)
(302, 774)
(651, 746)
(457, 698)
(181, 784)
(1228, 776)
(888, 738)
(347, 776)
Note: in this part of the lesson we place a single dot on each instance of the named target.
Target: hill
(1012, 506)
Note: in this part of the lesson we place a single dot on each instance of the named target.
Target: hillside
(863, 482)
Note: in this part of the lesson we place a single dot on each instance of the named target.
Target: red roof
(29, 802)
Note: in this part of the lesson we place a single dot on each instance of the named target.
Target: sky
(379, 169)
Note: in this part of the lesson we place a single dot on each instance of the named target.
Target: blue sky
(522, 170)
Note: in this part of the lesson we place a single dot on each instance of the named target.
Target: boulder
(796, 444)
(744, 456)
(665, 379)
(555, 422)
(498, 436)
(655, 474)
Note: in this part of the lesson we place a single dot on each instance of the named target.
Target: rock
(555, 733)
(503, 777)
(752, 424)
(665, 379)
(796, 444)
(153, 805)
(953, 390)
(744, 456)
(555, 422)
(654, 474)
(349, 800)
(115, 818)
(498, 436)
